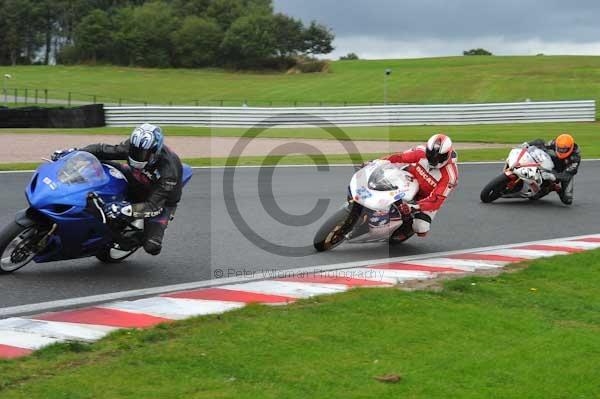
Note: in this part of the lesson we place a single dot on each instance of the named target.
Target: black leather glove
(56, 155)
(116, 210)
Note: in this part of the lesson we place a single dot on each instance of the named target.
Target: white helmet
(439, 150)
(145, 145)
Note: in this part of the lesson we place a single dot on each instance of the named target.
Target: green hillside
(432, 80)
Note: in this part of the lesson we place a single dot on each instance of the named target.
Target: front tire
(14, 247)
(494, 189)
(333, 232)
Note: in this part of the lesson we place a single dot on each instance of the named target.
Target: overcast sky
(419, 28)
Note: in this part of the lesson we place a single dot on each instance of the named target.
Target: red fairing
(434, 187)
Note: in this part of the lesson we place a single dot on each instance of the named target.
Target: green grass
(495, 154)
(586, 134)
(431, 80)
(530, 334)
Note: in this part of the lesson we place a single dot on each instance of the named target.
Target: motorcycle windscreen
(66, 182)
(541, 157)
(82, 168)
(385, 178)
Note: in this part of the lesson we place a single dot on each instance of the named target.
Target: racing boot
(402, 233)
(566, 192)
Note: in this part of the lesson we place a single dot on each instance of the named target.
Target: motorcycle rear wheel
(14, 251)
(494, 189)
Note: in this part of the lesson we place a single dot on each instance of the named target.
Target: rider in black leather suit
(154, 175)
(566, 155)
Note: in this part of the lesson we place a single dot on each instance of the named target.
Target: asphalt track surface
(205, 243)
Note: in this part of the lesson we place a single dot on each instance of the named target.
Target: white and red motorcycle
(371, 214)
(522, 176)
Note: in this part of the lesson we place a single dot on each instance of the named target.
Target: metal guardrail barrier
(459, 114)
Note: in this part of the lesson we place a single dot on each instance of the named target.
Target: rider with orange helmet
(566, 157)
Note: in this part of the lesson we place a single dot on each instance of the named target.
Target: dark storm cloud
(546, 20)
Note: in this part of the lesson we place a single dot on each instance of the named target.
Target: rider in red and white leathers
(434, 167)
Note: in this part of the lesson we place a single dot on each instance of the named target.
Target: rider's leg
(566, 191)
(154, 230)
(422, 222)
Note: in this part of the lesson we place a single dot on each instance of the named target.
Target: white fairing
(376, 187)
(527, 164)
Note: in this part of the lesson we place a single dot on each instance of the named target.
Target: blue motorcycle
(66, 218)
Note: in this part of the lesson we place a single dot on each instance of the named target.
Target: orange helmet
(564, 145)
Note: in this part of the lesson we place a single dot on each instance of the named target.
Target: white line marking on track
(289, 288)
(25, 340)
(55, 329)
(383, 275)
(6, 172)
(526, 253)
(173, 308)
(578, 244)
(469, 265)
(231, 282)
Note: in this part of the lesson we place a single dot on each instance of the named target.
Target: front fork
(513, 180)
(356, 218)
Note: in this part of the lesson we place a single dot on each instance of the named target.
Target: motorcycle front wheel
(333, 232)
(494, 189)
(17, 245)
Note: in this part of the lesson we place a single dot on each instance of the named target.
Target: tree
(225, 12)
(49, 21)
(143, 35)
(156, 33)
(258, 6)
(123, 46)
(20, 37)
(288, 35)
(196, 42)
(318, 39)
(184, 8)
(477, 51)
(249, 41)
(92, 35)
(349, 57)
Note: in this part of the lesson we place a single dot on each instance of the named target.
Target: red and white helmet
(439, 150)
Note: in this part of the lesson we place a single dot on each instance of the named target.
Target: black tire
(7, 236)
(333, 232)
(105, 256)
(494, 189)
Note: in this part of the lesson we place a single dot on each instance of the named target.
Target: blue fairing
(187, 174)
(58, 193)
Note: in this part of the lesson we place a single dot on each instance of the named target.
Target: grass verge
(428, 80)
(528, 334)
(492, 154)
(586, 134)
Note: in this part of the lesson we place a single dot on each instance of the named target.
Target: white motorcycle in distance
(370, 214)
(522, 177)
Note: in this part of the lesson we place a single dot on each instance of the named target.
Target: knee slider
(152, 247)
(421, 223)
